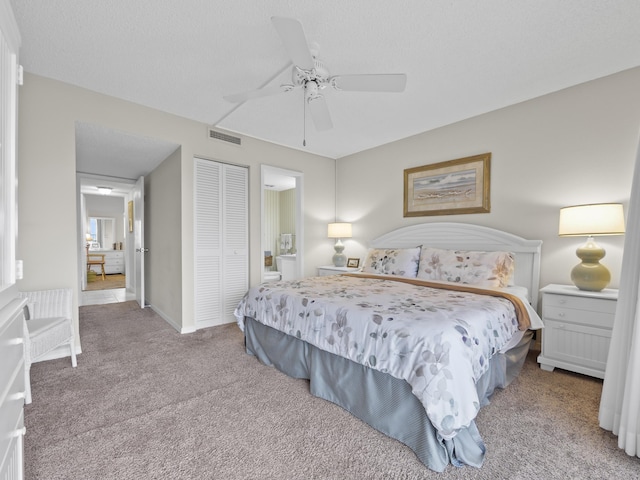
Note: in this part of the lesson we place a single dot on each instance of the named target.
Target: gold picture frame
(130, 212)
(448, 188)
(353, 262)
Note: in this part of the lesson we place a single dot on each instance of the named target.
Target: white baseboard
(171, 322)
(213, 323)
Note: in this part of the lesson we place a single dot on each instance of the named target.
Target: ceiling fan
(311, 74)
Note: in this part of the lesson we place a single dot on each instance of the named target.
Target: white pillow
(392, 261)
(484, 269)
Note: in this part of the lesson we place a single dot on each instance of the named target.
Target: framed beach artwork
(448, 188)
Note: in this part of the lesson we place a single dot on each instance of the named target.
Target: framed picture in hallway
(130, 214)
(448, 188)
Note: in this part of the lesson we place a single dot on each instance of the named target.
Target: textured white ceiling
(117, 158)
(103, 151)
(462, 58)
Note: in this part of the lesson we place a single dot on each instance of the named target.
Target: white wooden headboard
(465, 236)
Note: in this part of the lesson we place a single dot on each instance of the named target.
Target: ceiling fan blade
(295, 41)
(262, 92)
(384, 82)
(320, 113)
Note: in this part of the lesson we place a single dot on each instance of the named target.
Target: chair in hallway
(95, 259)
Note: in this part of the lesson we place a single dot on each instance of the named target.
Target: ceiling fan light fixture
(312, 90)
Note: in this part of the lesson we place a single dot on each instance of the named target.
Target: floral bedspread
(439, 341)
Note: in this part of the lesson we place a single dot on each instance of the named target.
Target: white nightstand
(331, 270)
(577, 329)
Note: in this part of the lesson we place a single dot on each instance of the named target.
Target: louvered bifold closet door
(235, 234)
(208, 242)
(221, 238)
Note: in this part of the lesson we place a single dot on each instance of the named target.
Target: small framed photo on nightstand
(353, 263)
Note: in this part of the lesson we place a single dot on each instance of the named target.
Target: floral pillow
(484, 269)
(392, 261)
(440, 264)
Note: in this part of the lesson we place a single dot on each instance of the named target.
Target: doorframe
(299, 177)
(81, 226)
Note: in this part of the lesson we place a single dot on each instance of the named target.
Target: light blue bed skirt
(382, 401)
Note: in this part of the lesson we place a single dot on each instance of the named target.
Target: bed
(413, 350)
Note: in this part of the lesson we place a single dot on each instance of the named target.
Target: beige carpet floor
(115, 280)
(148, 403)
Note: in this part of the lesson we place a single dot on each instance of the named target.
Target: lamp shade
(594, 219)
(339, 230)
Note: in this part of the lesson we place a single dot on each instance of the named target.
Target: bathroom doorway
(282, 224)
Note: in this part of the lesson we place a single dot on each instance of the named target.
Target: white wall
(272, 223)
(280, 217)
(162, 236)
(46, 170)
(288, 215)
(571, 147)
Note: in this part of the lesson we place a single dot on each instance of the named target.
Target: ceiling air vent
(224, 137)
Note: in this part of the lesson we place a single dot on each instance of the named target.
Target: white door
(208, 242)
(235, 234)
(138, 239)
(221, 241)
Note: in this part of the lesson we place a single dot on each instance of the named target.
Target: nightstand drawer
(579, 303)
(583, 317)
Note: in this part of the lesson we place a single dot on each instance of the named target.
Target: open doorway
(117, 160)
(104, 253)
(282, 224)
